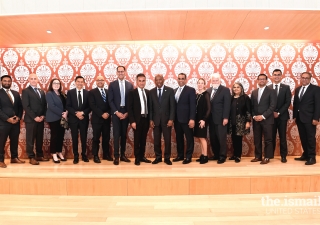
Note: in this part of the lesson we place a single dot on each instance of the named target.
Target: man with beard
(162, 111)
(10, 115)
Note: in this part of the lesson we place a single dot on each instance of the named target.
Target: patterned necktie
(122, 103)
(178, 94)
(145, 102)
(276, 89)
(79, 100)
(159, 96)
(9, 96)
(104, 97)
(38, 92)
(213, 93)
(302, 93)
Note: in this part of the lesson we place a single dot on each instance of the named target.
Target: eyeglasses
(262, 79)
(120, 71)
(56, 83)
(305, 78)
(181, 78)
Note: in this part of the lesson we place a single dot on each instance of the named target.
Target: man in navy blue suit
(184, 121)
(118, 92)
(78, 115)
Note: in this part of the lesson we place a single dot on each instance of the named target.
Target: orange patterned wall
(235, 61)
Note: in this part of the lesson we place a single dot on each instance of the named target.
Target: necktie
(9, 96)
(159, 96)
(104, 97)
(79, 100)
(38, 92)
(259, 95)
(213, 93)
(178, 94)
(122, 103)
(302, 93)
(276, 89)
(145, 102)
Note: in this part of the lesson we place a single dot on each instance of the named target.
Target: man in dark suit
(138, 112)
(220, 100)
(35, 107)
(280, 114)
(78, 117)
(185, 97)
(118, 93)
(100, 120)
(263, 101)
(306, 112)
(10, 115)
(162, 112)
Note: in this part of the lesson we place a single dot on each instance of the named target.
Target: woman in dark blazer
(240, 119)
(56, 110)
(202, 115)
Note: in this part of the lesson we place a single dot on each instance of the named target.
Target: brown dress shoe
(265, 161)
(256, 160)
(33, 161)
(16, 160)
(43, 159)
(3, 165)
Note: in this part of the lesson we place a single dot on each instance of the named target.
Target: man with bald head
(100, 120)
(35, 106)
(162, 113)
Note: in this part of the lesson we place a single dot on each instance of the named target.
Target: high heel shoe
(55, 161)
(61, 159)
(204, 159)
(199, 160)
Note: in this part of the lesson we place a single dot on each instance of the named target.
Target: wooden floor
(129, 180)
(156, 210)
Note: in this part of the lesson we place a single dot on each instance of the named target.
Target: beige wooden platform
(149, 180)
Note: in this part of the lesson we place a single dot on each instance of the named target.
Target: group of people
(189, 111)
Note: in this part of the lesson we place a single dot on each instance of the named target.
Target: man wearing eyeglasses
(306, 112)
(100, 120)
(118, 95)
(264, 102)
(280, 114)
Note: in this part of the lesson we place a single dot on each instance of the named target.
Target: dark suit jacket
(114, 97)
(32, 104)
(7, 109)
(266, 106)
(164, 110)
(220, 104)
(55, 107)
(283, 101)
(186, 106)
(72, 105)
(134, 106)
(309, 106)
(98, 106)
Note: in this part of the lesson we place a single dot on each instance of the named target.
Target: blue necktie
(104, 97)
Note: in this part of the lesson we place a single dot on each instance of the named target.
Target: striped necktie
(104, 97)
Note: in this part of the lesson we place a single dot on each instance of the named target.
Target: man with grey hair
(220, 100)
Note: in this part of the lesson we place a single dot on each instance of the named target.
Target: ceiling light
(266, 28)
(49, 31)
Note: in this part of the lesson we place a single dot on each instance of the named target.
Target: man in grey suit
(162, 112)
(35, 106)
(263, 101)
(220, 100)
(280, 114)
(118, 94)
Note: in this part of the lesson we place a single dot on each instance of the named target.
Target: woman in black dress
(240, 119)
(202, 115)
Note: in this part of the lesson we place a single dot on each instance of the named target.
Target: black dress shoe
(213, 158)
(108, 158)
(96, 159)
(124, 158)
(168, 162)
(302, 158)
(64, 159)
(311, 161)
(199, 160)
(116, 161)
(186, 161)
(136, 162)
(204, 160)
(283, 159)
(55, 161)
(220, 161)
(145, 160)
(76, 160)
(85, 158)
(177, 159)
(237, 159)
(156, 161)
(232, 158)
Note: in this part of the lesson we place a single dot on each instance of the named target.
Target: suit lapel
(306, 91)
(34, 93)
(263, 93)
